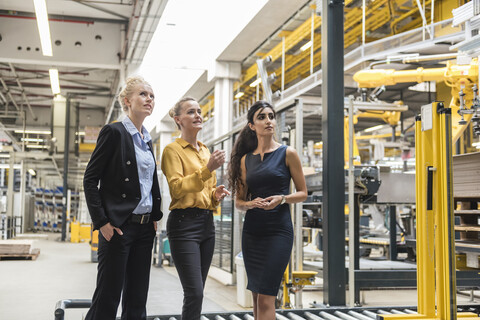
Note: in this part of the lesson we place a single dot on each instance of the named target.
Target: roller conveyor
(332, 313)
(339, 313)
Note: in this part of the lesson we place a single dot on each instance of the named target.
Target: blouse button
(124, 195)
(128, 162)
(126, 179)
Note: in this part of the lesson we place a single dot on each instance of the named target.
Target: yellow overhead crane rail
(460, 78)
(379, 14)
(397, 15)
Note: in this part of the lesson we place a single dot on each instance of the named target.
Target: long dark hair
(246, 142)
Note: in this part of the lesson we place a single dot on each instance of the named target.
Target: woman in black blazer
(125, 207)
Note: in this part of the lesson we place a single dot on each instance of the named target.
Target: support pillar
(224, 74)
(10, 190)
(23, 182)
(393, 233)
(333, 155)
(65, 169)
(164, 131)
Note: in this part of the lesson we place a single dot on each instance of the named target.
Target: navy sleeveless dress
(267, 237)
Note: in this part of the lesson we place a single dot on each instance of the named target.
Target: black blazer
(114, 164)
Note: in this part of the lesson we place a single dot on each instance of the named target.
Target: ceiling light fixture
(54, 81)
(43, 27)
(239, 95)
(35, 146)
(256, 82)
(306, 46)
(33, 131)
(32, 172)
(32, 140)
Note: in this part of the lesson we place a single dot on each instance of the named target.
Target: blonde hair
(127, 89)
(177, 108)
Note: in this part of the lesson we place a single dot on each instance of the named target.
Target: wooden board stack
(466, 191)
(18, 249)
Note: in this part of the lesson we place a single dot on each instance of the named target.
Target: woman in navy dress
(260, 171)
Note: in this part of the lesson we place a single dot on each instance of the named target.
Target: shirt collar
(133, 130)
(184, 143)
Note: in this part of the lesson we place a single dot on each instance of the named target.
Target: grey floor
(30, 289)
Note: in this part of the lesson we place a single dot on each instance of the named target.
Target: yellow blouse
(191, 184)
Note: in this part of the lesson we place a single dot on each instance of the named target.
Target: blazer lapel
(130, 153)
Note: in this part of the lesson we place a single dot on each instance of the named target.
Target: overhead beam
(76, 43)
(60, 17)
(113, 13)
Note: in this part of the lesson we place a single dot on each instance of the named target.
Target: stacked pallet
(18, 249)
(466, 176)
(466, 192)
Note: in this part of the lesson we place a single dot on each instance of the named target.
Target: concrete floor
(30, 289)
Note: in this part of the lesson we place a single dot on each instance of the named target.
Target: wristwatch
(284, 199)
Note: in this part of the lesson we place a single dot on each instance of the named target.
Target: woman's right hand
(107, 231)
(217, 159)
(256, 203)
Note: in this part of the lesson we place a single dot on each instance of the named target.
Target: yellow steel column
(425, 221)
(286, 303)
(444, 242)
(438, 207)
(436, 278)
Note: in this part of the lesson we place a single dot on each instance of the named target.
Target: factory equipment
(367, 183)
(292, 285)
(436, 275)
(357, 313)
(461, 78)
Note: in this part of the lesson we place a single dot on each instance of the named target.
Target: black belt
(193, 211)
(140, 218)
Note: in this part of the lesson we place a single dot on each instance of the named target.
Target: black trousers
(123, 265)
(191, 233)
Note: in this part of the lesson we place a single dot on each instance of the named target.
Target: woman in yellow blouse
(189, 169)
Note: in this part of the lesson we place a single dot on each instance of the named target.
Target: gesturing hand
(107, 231)
(217, 159)
(221, 192)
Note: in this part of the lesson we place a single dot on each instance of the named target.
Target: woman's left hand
(273, 201)
(155, 225)
(221, 192)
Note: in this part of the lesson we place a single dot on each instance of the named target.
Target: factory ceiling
(94, 44)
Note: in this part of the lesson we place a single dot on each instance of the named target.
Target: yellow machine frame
(458, 77)
(390, 117)
(80, 232)
(94, 245)
(436, 278)
(298, 280)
